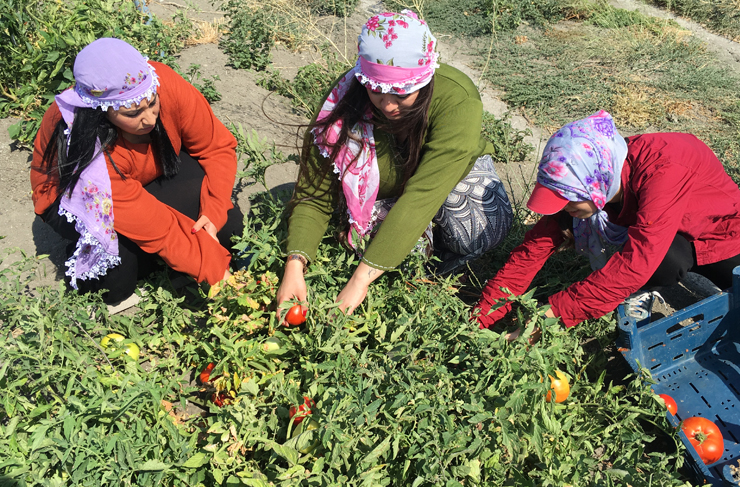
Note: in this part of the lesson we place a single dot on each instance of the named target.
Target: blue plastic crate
(694, 355)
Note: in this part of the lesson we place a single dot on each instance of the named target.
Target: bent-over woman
(396, 145)
(664, 201)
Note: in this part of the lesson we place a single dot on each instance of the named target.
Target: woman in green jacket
(398, 141)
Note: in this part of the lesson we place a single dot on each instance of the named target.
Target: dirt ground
(246, 103)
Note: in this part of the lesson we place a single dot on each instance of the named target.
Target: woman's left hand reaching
(355, 290)
(205, 223)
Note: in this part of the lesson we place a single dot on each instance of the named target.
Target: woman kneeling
(132, 162)
(398, 142)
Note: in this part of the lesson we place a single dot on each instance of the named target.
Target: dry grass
(637, 106)
(206, 32)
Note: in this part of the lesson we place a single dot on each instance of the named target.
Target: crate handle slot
(715, 319)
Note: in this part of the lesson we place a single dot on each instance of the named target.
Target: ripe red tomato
(670, 404)
(296, 315)
(220, 398)
(302, 411)
(705, 437)
(206, 374)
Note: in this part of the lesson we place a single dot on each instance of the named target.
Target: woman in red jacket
(132, 162)
(664, 201)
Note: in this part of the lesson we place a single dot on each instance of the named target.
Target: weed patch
(307, 90)
(207, 87)
(721, 16)
(39, 42)
(649, 74)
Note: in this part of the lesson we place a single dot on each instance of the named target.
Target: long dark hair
(90, 125)
(350, 110)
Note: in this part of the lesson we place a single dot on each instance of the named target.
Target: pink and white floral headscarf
(396, 53)
(396, 56)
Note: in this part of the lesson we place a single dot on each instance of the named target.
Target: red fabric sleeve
(663, 197)
(517, 274)
(206, 139)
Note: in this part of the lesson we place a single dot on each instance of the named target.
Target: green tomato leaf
(197, 460)
(156, 465)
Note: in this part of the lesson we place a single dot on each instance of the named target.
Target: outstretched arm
(355, 290)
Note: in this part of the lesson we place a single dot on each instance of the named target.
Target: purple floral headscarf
(109, 73)
(583, 162)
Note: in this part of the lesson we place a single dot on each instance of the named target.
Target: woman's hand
(355, 290)
(293, 284)
(536, 333)
(205, 223)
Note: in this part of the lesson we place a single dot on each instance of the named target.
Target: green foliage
(721, 16)
(250, 36)
(340, 8)
(651, 74)
(71, 415)
(464, 17)
(310, 85)
(481, 17)
(408, 391)
(257, 154)
(507, 141)
(208, 88)
(39, 42)
(509, 14)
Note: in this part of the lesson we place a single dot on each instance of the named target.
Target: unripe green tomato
(272, 344)
(130, 349)
(311, 425)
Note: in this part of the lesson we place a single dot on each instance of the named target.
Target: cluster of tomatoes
(702, 433)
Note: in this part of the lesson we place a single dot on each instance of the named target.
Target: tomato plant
(220, 398)
(297, 414)
(560, 386)
(670, 403)
(115, 339)
(705, 437)
(296, 315)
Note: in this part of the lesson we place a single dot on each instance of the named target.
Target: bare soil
(272, 117)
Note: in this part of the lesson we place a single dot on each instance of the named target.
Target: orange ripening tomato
(560, 386)
(297, 414)
(296, 315)
(705, 437)
(670, 404)
(206, 374)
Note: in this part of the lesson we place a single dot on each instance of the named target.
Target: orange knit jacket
(155, 227)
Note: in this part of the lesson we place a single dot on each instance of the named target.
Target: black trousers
(681, 258)
(182, 193)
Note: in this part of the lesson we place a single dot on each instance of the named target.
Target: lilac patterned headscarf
(583, 162)
(109, 73)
